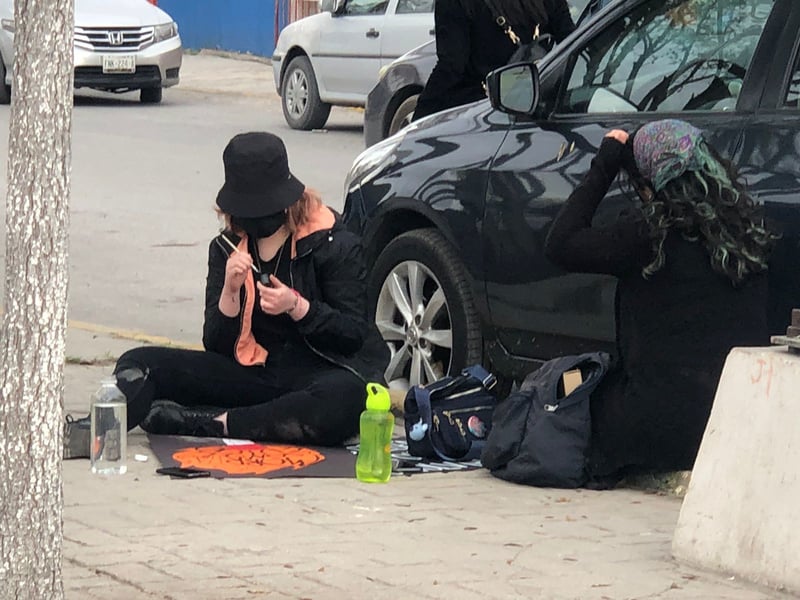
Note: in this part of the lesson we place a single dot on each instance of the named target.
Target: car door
(408, 25)
(642, 61)
(769, 159)
(349, 55)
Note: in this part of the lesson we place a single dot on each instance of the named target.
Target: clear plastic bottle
(109, 429)
(374, 462)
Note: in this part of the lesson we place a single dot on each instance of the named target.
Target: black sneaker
(77, 434)
(171, 418)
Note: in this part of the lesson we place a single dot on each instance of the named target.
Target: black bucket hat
(258, 182)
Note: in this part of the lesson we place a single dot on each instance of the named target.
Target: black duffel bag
(540, 435)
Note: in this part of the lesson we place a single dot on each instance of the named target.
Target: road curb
(129, 334)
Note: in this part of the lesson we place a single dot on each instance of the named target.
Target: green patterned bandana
(665, 150)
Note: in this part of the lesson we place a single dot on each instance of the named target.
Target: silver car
(333, 58)
(120, 46)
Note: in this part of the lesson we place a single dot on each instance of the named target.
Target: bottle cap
(378, 398)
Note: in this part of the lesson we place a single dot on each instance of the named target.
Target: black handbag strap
(503, 24)
(423, 397)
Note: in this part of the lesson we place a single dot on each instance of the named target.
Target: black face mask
(260, 227)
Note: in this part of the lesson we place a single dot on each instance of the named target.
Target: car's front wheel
(424, 309)
(302, 107)
(150, 95)
(403, 115)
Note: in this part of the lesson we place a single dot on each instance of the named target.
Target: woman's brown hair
(299, 213)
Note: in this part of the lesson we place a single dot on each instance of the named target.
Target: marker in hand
(277, 298)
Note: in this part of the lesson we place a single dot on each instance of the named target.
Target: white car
(120, 45)
(333, 58)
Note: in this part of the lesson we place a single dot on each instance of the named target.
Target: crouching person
(691, 261)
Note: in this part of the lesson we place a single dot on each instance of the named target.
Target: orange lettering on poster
(252, 459)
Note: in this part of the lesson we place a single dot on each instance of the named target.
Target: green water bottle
(374, 462)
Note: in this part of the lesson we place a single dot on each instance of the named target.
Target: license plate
(125, 63)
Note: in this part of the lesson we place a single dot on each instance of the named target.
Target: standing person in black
(288, 344)
(691, 264)
(470, 44)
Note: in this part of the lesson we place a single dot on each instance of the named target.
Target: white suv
(333, 58)
(120, 46)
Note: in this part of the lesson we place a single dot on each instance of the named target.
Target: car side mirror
(514, 89)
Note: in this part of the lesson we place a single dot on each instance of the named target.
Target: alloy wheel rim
(413, 318)
(297, 93)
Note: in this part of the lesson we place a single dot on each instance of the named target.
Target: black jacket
(674, 330)
(328, 270)
(470, 44)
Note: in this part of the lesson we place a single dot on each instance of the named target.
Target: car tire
(302, 107)
(5, 89)
(151, 95)
(419, 325)
(402, 116)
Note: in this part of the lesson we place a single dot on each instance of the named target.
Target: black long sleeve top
(470, 44)
(684, 318)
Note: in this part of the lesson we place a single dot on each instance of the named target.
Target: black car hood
(465, 119)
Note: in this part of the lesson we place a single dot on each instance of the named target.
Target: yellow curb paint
(128, 334)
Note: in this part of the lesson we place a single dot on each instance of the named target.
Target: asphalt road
(144, 182)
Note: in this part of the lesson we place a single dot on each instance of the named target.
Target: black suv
(454, 209)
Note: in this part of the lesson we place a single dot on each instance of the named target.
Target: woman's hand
(279, 299)
(236, 269)
(618, 134)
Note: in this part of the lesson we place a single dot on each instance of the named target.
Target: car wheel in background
(302, 107)
(403, 115)
(150, 95)
(5, 89)
(424, 309)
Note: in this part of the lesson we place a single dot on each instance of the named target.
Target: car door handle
(373, 33)
(432, 31)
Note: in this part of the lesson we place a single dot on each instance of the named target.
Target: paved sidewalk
(457, 535)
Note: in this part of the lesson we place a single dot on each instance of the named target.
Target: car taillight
(153, 2)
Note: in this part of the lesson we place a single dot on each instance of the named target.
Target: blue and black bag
(450, 418)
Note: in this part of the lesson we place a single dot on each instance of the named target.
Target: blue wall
(235, 25)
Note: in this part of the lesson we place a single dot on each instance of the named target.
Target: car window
(668, 56)
(583, 10)
(365, 7)
(405, 7)
(576, 7)
(793, 95)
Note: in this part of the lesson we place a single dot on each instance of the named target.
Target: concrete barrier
(743, 503)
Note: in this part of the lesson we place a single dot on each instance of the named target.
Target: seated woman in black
(288, 343)
(691, 263)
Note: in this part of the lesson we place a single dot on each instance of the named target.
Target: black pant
(295, 398)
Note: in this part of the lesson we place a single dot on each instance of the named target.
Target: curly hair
(711, 205)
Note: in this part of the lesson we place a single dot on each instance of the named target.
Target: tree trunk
(32, 346)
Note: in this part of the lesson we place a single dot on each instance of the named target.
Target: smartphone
(183, 473)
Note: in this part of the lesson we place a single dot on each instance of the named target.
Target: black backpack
(531, 52)
(539, 435)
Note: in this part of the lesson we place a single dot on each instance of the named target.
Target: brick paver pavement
(461, 535)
